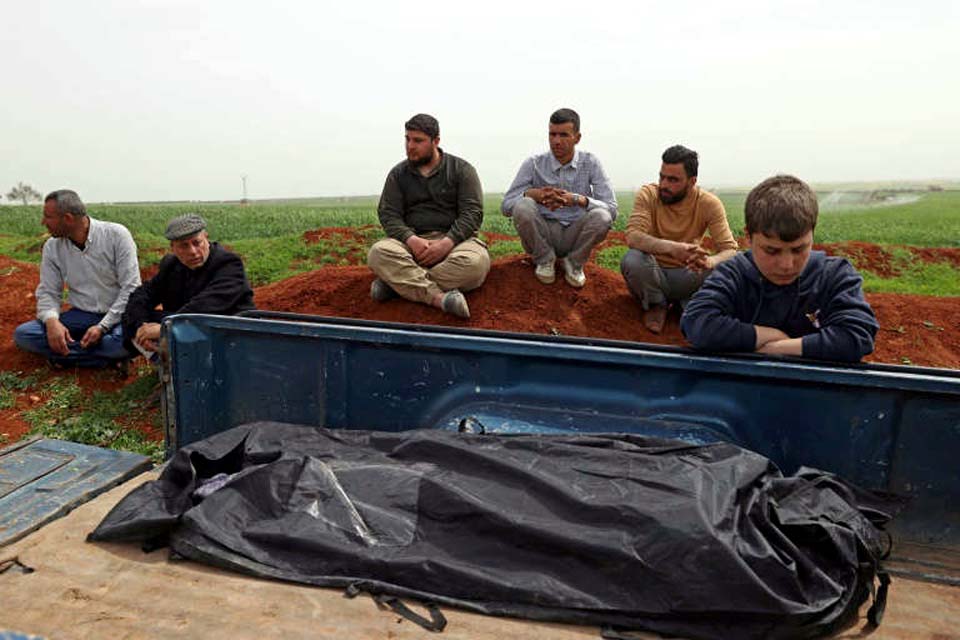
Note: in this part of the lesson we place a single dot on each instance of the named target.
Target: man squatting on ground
(665, 262)
(780, 297)
(97, 261)
(196, 277)
(562, 203)
(431, 208)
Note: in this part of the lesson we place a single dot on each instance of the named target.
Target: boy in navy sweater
(781, 297)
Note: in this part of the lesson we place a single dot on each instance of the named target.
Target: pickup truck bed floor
(81, 590)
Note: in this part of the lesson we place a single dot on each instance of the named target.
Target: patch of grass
(931, 221)
(12, 382)
(505, 248)
(62, 396)
(227, 222)
(23, 248)
(916, 277)
(270, 259)
(610, 257)
(68, 414)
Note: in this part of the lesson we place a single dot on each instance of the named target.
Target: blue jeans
(32, 336)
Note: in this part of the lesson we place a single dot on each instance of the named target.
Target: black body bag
(621, 531)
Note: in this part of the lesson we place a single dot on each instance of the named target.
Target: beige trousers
(464, 268)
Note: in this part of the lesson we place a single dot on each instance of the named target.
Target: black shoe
(121, 367)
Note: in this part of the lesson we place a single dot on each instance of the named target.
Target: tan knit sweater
(685, 221)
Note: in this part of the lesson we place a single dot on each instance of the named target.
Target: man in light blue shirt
(562, 203)
(97, 261)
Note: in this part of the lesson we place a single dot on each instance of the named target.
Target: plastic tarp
(627, 532)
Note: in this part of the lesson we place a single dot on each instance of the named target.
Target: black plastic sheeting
(615, 530)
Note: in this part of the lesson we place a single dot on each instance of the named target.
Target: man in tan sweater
(665, 262)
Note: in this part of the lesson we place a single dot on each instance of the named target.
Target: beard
(671, 199)
(419, 162)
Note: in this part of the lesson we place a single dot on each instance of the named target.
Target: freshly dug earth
(510, 300)
(918, 330)
(18, 281)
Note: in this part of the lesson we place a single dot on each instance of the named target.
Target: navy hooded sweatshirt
(825, 306)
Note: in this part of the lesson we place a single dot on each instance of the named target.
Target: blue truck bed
(892, 429)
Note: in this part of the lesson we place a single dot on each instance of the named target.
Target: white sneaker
(545, 272)
(381, 291)
(454, 303)
(573, 274)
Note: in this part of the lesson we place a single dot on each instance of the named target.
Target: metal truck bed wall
(895, 429)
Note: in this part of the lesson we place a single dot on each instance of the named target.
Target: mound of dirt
(919, 330)
(18, 281)
(510, 300)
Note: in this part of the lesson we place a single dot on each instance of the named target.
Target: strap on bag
(436, 623)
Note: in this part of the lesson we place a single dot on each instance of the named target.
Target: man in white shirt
(561, 202)
(97, 261)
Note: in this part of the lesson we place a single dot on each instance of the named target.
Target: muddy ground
(917, 330)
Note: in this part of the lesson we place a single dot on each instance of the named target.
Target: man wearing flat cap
(199, 277)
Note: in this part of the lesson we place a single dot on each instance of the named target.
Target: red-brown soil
(918, 330)
(510, 300)
(18, 281)
(346, 235)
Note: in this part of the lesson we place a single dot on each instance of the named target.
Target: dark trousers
(32, 336)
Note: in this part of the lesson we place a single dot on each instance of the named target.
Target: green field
(269, 234)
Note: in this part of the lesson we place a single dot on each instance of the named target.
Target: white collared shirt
(583, 175)
(99, 278)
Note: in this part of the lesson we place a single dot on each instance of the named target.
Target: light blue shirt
(99, 278)
(583, 175)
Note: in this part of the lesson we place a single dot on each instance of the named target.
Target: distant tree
(24, 193)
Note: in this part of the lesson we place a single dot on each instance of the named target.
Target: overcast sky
(169, 99)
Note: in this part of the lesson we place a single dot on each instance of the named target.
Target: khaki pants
(465, 268)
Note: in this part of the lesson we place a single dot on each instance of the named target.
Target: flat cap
(185, 225)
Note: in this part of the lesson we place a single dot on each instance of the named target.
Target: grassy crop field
(269, 235)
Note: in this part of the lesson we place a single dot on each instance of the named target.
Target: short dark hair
(425, 124)
(781, 206)
(561, 116)
(679, 153)
(67, 202)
